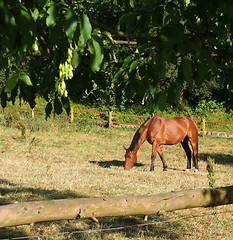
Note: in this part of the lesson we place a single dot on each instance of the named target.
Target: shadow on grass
(224, 159)
(128, 225)
(12, 192)
(116, 163)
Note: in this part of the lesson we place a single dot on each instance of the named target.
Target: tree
(63, 49)
(191, 38)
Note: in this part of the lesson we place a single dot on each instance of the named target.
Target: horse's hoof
(165, 169)
(196, 170)
(128, 168)
(187, 170)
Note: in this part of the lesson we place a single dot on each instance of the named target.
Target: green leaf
(129, 90)
(32, 103)
(27, 26)
(25, 78)
(97, 57)
(109, 36)
(117, 74)
(14, 93)
(157, 16)
(127, 61)
(100, 79)
(52, 15)
(202, 72)
(173, 93)
(172, 35)
(151, 89)
(71, 22)
(3, 98)
(133, 65)
(76, 59)
(85, 30)
(48, 109)
(91, 47)
(159, 101)
(55, 34)
(131, 3)
(213, 65)
(35, 14)
(58, 106)
(66, 104)
(11, 82)
(130, 22)
(143, 23)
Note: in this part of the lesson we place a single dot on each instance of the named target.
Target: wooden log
(68, 209)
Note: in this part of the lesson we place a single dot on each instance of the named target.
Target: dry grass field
(54, 159)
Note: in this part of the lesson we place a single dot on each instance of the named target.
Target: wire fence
(116, 228)
(118, 119)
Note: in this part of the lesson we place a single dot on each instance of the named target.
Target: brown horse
(159, 131)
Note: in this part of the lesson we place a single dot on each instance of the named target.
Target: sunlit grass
(56, 159)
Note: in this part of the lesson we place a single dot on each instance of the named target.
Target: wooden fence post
(110, 119)
(203, 127)
(71, 114)
(33, 114)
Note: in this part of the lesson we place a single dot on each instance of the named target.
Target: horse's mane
(137, 135)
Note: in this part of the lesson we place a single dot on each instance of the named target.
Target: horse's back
(170, 130)
(184, 121)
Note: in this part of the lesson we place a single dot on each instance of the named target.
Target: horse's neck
(138, 139)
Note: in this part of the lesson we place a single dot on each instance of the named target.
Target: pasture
(54, 159)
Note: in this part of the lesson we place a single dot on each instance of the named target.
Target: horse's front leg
(153, 157)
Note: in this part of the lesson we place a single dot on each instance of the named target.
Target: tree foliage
(68, 49)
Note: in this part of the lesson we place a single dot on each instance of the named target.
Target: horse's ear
(125, 148)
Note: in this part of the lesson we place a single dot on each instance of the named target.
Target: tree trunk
(68, 209)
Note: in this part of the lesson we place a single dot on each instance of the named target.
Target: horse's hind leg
(194, 143)
(187, 150)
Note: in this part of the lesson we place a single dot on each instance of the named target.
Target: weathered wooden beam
(68, 209)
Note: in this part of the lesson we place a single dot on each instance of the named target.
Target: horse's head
(130, 159)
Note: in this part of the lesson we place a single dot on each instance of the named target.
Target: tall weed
(211, 171)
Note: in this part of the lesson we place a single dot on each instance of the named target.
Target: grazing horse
(159, 131)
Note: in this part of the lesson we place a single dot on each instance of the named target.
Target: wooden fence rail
(110, 116)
